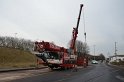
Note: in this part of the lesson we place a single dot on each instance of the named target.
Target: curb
(20, 69)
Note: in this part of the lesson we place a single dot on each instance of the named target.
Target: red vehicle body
(55, 56)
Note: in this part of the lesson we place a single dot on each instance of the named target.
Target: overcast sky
(53, 20)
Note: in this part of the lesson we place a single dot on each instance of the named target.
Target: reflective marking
(120, 77)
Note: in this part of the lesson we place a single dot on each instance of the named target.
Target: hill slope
(10, 57)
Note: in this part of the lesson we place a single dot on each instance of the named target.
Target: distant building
(116, 58)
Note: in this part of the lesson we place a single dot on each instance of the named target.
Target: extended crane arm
(75, 30)
(79, 16)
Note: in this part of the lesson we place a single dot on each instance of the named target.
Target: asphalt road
(94, 73)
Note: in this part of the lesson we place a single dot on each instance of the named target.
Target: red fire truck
(55, 56)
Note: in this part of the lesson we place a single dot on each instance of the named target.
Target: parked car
(94, 62)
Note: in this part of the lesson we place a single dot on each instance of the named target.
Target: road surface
(94, 73)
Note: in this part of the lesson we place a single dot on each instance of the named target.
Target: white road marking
(120, 77)
(10, 78)
(22, 74)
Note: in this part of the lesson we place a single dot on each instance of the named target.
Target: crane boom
(79, 16)
(75, 30)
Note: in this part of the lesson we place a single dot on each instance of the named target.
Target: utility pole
(116, 51)
(94, 51)
(15, 34)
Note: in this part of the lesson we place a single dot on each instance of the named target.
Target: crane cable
(84, 25)
(85, 43)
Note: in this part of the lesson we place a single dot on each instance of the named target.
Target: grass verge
(120, 63)
(15, 58)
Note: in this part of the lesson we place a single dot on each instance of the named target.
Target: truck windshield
(51, 55)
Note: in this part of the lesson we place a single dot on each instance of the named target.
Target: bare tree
(81, 48)
(101, 56)
(2, 41)
(12, 42)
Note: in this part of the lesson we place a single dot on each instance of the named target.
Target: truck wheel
(51, 67)
(63, 68)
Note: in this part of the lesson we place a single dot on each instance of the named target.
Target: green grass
(10, 58)
(121, 63)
